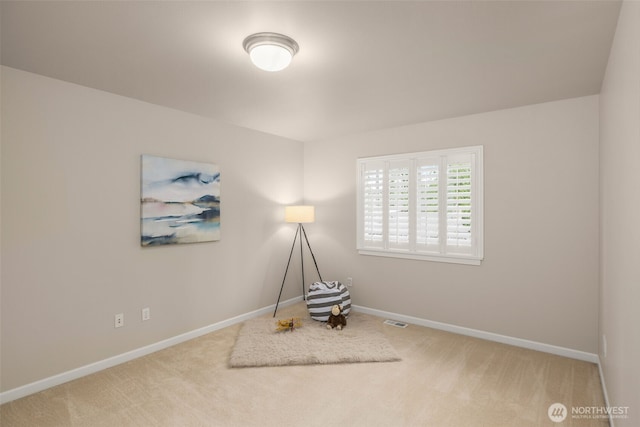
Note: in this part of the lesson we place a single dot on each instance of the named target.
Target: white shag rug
(259, 344)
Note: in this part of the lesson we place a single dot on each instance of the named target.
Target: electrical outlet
(146, 314)
(119, 320)
(349, 282)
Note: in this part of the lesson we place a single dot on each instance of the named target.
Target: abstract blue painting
(179, 201)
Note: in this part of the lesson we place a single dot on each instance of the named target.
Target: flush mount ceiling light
(270, 51)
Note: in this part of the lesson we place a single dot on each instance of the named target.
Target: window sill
(467, 260)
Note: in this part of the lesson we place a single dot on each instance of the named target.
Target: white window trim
(477, 202)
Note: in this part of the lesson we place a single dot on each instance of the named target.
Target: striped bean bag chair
(324, 295)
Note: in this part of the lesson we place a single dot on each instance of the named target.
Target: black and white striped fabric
(324, 295)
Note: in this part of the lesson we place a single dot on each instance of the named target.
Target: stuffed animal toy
(336, 318)
(288, 324)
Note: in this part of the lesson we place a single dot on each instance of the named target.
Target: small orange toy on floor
(288, 324)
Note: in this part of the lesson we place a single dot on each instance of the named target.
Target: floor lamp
(300, 215)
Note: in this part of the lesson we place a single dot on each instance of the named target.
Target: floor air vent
(396, 323)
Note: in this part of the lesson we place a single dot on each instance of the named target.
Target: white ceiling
(362, 65)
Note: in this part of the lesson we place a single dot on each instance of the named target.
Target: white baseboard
(604, 391)
(92, 368)
(490, 336)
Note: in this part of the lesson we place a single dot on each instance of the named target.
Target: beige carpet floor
(443, 380)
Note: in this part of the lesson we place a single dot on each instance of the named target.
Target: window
(424, 205)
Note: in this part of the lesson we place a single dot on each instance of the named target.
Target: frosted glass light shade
(299, 214)
(270, 51)
(270, 57)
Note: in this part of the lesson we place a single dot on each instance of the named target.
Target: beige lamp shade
(299, 214)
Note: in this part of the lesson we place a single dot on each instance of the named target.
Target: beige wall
(620, 209)
(539, 279)
(68, 266)
(71, 255)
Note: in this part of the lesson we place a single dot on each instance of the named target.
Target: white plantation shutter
(422, 205)
(398, 205)
(372, 177)
(428, 211)
(459, 204)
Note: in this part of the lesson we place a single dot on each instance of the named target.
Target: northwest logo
(557, 412)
